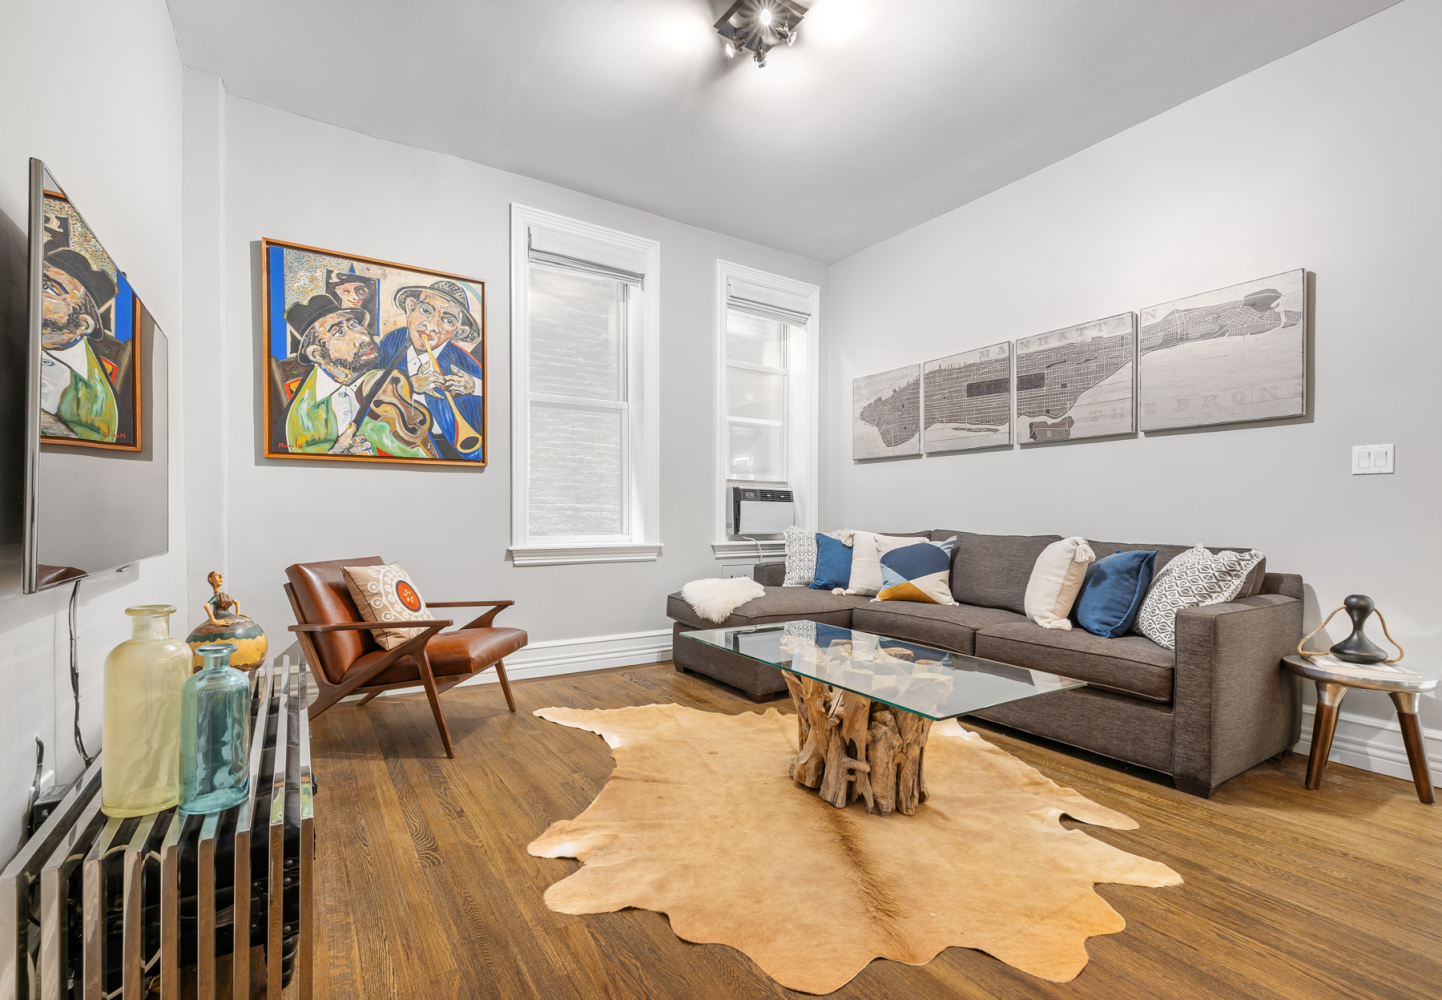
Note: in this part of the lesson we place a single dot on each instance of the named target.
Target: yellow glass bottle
(144, 676)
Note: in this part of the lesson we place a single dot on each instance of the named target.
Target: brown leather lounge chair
(338, 641)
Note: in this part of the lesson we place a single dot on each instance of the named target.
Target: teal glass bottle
(214, 733)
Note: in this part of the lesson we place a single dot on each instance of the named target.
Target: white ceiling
(886, 112)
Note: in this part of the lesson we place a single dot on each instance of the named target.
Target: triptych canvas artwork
(1233, 355)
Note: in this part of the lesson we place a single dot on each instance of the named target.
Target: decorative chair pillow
(833, 564)
(1113, 592)
(866, 552)
(1056, 578)
(1191, 580)
(386, 594)
(801, 556)
(920, 572)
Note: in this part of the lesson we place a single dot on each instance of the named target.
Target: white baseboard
(1373, 745)
(572, 656)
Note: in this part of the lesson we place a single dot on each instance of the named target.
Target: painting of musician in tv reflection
(372, 361)
(89, 382)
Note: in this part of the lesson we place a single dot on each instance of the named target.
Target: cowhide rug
(700, 821)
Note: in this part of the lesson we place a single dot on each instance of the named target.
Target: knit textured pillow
(1193, 579)
(801, 555)
(386, 594)
(920, 573)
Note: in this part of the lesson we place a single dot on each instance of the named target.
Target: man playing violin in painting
(77, 399)
(448, 380)
(325, 416)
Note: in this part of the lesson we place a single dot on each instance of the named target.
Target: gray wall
(294, 179)
(93, 89)
(1328, 159)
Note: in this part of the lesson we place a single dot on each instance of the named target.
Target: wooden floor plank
(426, 889)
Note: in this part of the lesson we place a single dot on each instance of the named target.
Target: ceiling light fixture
(759, 25)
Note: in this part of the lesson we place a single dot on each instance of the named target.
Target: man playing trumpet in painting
(447, 380)
(343, 408)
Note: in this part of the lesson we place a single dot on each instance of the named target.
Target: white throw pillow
(1191, 580)
(386, 594)
(801, 555)
(1056, 579)
(866, 552)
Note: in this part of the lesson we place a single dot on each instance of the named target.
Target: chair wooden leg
(434, 697)
(366, 700)
(505, 684)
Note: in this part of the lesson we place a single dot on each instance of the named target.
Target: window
(584, 361)
(767, 360)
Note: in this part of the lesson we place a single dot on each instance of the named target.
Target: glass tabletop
(930, 682)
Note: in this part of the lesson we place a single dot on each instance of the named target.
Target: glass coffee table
(865, 703)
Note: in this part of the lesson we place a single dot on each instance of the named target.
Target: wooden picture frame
(389, 363)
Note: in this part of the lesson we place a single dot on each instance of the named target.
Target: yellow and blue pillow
(920, 572)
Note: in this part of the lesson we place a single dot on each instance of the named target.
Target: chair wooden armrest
(439, 624)
(414, 646)
(482, 622)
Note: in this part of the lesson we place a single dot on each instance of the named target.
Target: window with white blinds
(583, 388)
(767, 391)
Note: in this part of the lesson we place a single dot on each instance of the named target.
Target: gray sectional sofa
(1215, 707)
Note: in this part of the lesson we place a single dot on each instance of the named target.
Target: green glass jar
(144, 676)
(214, 734)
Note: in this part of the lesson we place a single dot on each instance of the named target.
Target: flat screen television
(84, 419)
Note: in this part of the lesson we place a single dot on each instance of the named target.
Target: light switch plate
(1373, 459)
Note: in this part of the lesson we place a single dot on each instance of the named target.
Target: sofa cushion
(944, 626)
(992, 571)
(1166, 553)
(779, 604)
(1131, 665)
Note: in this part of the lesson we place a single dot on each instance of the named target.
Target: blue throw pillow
(1112, 593)
(833, 564)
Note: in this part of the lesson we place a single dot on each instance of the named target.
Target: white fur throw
(715, 599)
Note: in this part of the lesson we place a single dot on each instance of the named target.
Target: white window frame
(803, 387)
(641, 501)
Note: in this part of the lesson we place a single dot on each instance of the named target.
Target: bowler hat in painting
(77, 265)
(450, 290)
(303, 315)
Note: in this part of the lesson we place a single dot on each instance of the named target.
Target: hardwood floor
(426, 889)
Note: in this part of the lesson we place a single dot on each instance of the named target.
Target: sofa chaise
(1216, 706)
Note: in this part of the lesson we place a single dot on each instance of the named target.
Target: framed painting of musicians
(370, 361)
(89, 379)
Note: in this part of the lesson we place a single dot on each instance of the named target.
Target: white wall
(291, 178)
(1329, 159)
(93, 89)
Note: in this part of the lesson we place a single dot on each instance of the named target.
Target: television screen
(95, 424)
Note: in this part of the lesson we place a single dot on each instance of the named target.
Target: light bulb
(765, 16)
(730, 51)
(791, 37)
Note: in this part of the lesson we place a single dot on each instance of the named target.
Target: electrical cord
(75, 675)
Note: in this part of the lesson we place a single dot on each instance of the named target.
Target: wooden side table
(1333, 680)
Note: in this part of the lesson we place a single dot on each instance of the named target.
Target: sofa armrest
(770, 574)
(1235, 704)
(1286, 584)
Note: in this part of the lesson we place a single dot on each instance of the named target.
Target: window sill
(584, 552)
(771, 548)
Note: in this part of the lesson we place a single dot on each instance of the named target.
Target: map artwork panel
(1232, 355)
(1077, 383)
(967, 400)
(886, 414)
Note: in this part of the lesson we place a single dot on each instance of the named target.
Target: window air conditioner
(752, 511)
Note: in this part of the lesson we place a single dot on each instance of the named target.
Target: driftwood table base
(855, 748)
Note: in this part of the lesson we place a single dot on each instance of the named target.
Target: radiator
(94, 908)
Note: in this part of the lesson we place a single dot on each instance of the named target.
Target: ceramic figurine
(144, 676)
(226, 624)
(214, 734)
(1357, 648)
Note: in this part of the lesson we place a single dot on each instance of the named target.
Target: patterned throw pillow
(1193, 579)
(386, 594)
(801, 555)
(920, 573)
